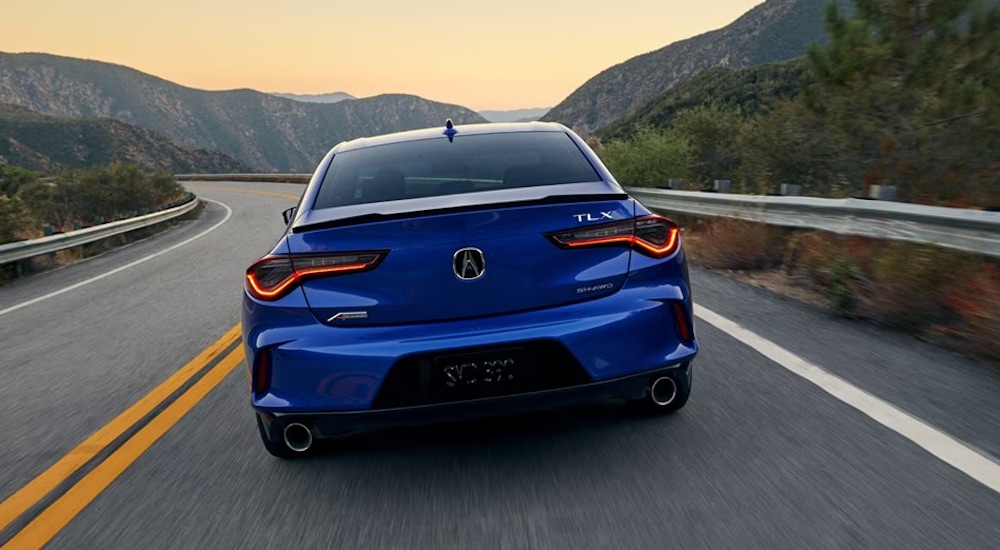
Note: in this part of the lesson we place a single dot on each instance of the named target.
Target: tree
(47, 203)
(910, 94)
(13, 218)
(790, 144)
(714, 136)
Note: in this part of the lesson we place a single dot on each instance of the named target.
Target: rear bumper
(333, 424)
(316, 368)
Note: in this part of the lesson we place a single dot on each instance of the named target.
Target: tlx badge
(592, 218)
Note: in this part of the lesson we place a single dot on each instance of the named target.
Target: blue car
(458, 272)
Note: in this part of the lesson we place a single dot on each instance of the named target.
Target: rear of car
(460, 272)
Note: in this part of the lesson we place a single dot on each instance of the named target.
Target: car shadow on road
(522, 430)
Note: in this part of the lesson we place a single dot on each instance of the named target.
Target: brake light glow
(272, 277)
(654, 236)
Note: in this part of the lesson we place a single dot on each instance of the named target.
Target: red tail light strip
(630, 239)
(660, 251)
(292, 272)
(664, 247)
(295, 278)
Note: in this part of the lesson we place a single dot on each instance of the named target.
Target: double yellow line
(56, 516)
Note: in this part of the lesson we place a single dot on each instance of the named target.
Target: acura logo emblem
(469, 264)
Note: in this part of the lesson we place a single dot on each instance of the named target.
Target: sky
(483, 55)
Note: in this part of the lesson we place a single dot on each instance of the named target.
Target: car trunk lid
(446, 265)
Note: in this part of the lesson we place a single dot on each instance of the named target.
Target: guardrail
(22, 250)
(969, 230)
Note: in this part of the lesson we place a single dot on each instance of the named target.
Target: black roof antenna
(449, 130)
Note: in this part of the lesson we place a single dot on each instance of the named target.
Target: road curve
(759, 458)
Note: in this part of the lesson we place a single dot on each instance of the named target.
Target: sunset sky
(497, 55)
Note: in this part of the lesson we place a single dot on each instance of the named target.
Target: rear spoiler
(376, 217)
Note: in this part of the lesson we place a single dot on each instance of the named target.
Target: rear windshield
(436, 167)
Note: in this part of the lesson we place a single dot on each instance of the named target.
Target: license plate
(480, 371)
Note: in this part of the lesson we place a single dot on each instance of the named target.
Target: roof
(463, 130)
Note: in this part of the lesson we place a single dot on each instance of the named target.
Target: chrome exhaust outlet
(663, 391)
(298, 437)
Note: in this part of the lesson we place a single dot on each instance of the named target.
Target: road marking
(36, 489)
(254, 191)
(41, 530)
(229, 213)
(950, 450)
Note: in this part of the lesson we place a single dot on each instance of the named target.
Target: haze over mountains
(515, 115)
(267, 132)
(318, 98)
(776, 30)
(511, 115)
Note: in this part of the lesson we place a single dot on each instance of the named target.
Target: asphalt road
(760, 457)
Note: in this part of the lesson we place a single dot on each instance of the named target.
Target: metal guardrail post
(882, 192)
(791, 189)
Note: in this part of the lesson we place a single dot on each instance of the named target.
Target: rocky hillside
(776, 30)
(269, 133)
(46, 143)
(745, 90)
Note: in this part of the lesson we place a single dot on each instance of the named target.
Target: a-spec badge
(592, 218)
(347, 315)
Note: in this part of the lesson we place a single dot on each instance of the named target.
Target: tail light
(272, 277)
(654, 236)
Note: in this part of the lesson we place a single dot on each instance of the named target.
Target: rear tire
(655, 405)
(276, 448)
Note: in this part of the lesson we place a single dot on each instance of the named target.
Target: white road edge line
(229, 213)
(945, 447)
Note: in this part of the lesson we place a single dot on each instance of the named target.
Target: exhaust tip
(663, 391)
(298, 437)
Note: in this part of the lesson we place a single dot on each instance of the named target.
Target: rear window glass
(436, 167)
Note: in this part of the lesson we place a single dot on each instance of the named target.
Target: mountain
(776, 30)
(46, 143)
(745, 90)
(269, 133)
(318, 98)
(515, 115)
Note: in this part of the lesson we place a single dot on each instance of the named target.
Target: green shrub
(12, 178)
(649, 159)
(101, 192)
